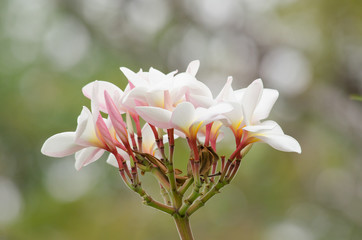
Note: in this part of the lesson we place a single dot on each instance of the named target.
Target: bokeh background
(311, 51)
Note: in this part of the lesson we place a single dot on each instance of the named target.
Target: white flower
(251, 105)
(91, 138)
(166, 91)
(184, 117)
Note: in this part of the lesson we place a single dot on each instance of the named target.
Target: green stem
(185, 186)
(161, 177)
(149, 201)
(165, 196)
(176, 197)
(201, 202)
(188, 202)
(183, 227)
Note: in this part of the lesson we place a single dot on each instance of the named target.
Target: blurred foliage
(311, 51)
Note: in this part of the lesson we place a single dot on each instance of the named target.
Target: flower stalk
(183, 227)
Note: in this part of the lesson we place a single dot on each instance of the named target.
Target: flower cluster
(171, 102)
(171, 105)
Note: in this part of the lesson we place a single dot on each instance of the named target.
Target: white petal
(183, 116)
(135, 97)
(275, 130)
(220, 137)
(213, 113)
(95, 101)
(221, 108)
(60, 145)
(281, 142)
(199, 88)
(235, 116)
(112, 160)
(87, 156)
(200, 101)
(155, 76)
(166, 84)
(155, 98)
(171, 74)
(251, 98)
(267, 125)
(239, 94)
(227, 92)
(179, 134)
(192, 85)
(193, 67)
(133, 78)
(85, 133)
(148, 139)
(265, 105)
(156, 116)
(102, 86)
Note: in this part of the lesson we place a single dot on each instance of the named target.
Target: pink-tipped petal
(251, 98)
(193, 67)
(87, 156)
(116, 118)
(60, 145)
(102, 85)
(156, 116)
(103, 133)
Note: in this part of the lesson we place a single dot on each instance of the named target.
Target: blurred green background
(311, 51)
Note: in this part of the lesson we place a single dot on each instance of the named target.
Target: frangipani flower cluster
(171, 105)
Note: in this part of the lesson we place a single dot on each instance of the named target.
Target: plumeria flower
(251, 105)
(166, 91)
(146, 88)
(117, 96)
(90, 140)
(269, 131)
(113, 90)
(262, 105)
(185, 118)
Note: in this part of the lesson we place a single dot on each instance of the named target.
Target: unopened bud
(246, 150)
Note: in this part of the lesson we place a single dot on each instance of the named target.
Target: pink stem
(136, 119)
(207, 135)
